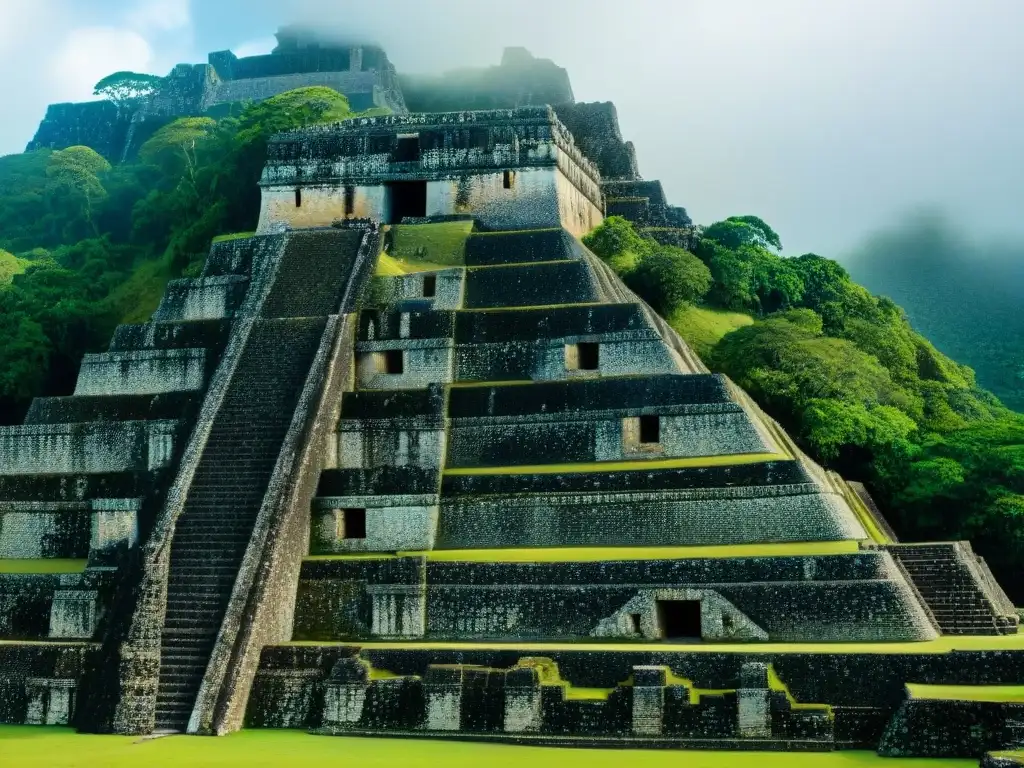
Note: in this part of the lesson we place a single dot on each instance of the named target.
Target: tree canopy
(126, 89)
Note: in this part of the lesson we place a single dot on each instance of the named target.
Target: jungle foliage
(845, 372)
(84, 245)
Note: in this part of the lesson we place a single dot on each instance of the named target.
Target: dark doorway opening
(406, 198)
(392, 361)
(407, 150)
(429, 286)
(298, 197)
(350, 200)
(590, 356)
(650, 429)
(353, 523)
(679, 619)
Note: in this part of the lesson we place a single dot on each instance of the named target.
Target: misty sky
(828, 118)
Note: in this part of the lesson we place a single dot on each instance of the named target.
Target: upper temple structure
(412, 460)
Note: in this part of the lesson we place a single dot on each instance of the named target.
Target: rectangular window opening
(679, 619)
(298, 197)
(353, 524)
(429, 286)
(392, 361)
(407, 150)
(584, 356)
(634, 624)
(508, 179)
(650, 429)
(350, 200)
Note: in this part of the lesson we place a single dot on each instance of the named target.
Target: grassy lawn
(601, 554)
(233, 236)
(28, 747)
(619, 466)
(943, 644)
(702, 328)
(1013, 694)
(423, 247)
(42, 565)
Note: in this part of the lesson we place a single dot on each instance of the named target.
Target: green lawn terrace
(37, 747)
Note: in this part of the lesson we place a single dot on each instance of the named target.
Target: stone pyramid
(411, 460)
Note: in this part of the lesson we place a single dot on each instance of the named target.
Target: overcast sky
(828, 118)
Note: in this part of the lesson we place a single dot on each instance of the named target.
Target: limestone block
(753, 713)
(50, 701)
(73, 613)
(523, 712)
(378, 443)
(388, 525)
(204, 298)
(31, 530)
(398, 610)
(146, 372)
(648, 700)
(88, 447)
(409, 364)
(448, 287)
(343, 704)
(442, 688)
(114, 524)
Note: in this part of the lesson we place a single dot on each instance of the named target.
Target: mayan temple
(411, 460)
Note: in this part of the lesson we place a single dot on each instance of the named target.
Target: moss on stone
(618, 466)
(233, 236)
(42, 565)
(992, 693)
(941, 645)
(423, 247)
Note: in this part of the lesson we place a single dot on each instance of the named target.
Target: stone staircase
(945, 580)
(239, 458)
(230, 482)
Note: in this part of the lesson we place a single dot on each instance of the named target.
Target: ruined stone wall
(595, 126)
(361, 88)
(95, 124)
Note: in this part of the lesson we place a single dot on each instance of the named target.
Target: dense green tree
(737, 231)
(127, 89)
(669, 278)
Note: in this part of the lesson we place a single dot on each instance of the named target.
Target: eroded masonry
(411, 460)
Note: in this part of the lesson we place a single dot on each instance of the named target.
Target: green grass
(995, 693)
(424, 247)
(944, 644)
(37, 747)
(389, 267)
(42, 565)
(11, 265)
(602, 554)
(619, 466)
(702, 328)
(233, 236)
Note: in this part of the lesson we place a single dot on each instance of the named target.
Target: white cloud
(160, 16)
(90, 53)
(255, 47)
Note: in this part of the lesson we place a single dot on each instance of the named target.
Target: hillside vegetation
(847, 375)
(966, 296)
(85, 246)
